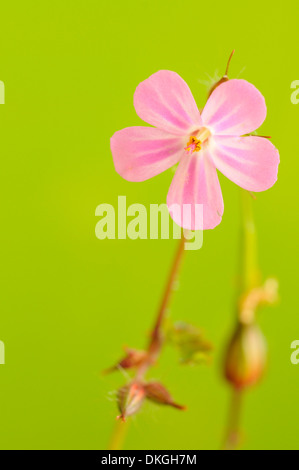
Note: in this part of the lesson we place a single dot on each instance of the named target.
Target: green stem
(118, 435)
(249, 258)
(249, 278)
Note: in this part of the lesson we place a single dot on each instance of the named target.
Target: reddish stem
(228, 63)
(156, 333)
(233, 436)
(156, 340)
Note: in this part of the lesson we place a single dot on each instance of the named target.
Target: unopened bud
(246, 356)
(158, 393)
(133, 358)
(130, 399)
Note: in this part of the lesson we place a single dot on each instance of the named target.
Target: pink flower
(200, 142)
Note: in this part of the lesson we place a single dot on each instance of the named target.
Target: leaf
(190, 342)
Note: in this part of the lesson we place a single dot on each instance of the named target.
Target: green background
(70, 301)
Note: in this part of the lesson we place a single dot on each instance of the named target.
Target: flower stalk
(248, 279)
(118, 435)
(249, 270)
(246, 355)
(128, 398)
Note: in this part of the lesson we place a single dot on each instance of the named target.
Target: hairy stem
(156, 332)
(156, 338)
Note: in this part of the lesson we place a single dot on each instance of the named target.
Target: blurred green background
(70, 301)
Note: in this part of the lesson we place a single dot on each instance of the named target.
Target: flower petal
(196, 182)
(236, 107)
(250, 162)
(139, 153)
(164, 100)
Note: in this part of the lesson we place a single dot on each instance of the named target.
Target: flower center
(195, 142)
(194, 145)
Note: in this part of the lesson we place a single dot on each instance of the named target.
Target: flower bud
(157, 392)
(130, 399)
(246, 356)
(133, 358)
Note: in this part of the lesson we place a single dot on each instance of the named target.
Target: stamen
(195, 142)
(194, 145)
